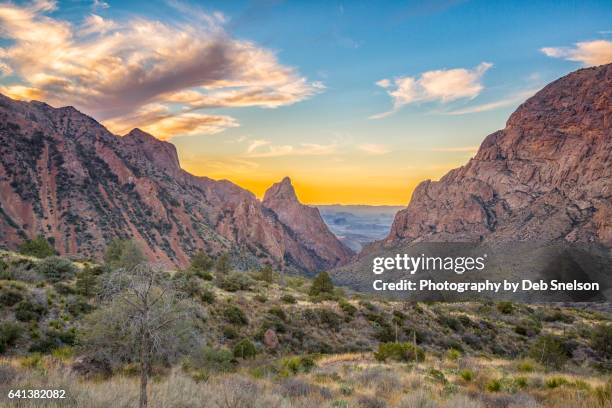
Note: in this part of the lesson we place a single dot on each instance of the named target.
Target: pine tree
(267, 274)
(321, 285)
(223, 264)
(86, 282)
(201, 262)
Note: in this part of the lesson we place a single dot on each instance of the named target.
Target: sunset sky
(356, 101)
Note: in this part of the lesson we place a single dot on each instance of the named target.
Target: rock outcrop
(65, 176)
(305, 221)
(547, 176)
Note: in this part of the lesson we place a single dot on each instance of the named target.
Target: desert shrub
(526, 366)
(53, 339)
(366, 401)
(450, 322)
(437, 375)
(347, 308)
(123, 253)
(245, 349)
(38, 247)
(367, 305)
(297, 364)
(329, 318)
(266, 274)
(86, 282)
(554, 382)
(417, 399)
(295, 388)
(26, 311)
(322, 284)
(10, 296)
(235, 281)
(505, 307)
(200, 263)
(63, 288)
(261, 298)
(9, 334)
(467, 375)
(557, 316)
(549, 350)
(207, 296)
(453, 354)
(235, 315)
(56, 269)
(223, 265)
(278, 312)
(528, 328)
(601, 339)
(493, 385)
(7, 373)
(520, 382)
(230, 332)
(288, 299)
(213, 359)
(399, 352)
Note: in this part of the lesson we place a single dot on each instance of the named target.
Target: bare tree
(143, 318)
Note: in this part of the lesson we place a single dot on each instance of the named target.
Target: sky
(356, 101)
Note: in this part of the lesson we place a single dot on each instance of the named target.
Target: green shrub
(38, 247)
(549, 350)
(528, 328)
(56, 269)
(235, 315)
(261, 298)
(322, 284)
(245, 349)
(601, 339)
(201, 263)
(557, 316)
(347, 308)
(329, 318)
(505, 307)
(10, 297)
(437, 375)
(86, 282)
(266, 274)
(213, 359)
(521, 382)
(223, 265)
(235, 281)
(399, 352)
(230, 332)
(368, 305)
(278, 312)
(467, 375)
(494, 385)
(288, 299)
(207, 296)
(453, 354)
(296, 365)
(123, 253)
(26, 311)
(554, 382)
(526, 366)
(450, 322)
(9, 334)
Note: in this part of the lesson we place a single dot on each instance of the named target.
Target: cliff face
(64, 175)
(546, 177)
(305, 221)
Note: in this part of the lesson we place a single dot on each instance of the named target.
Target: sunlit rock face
(65, 176)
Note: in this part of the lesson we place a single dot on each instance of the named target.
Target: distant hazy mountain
(357, 225)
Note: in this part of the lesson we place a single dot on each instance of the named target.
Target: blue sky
(336, 132)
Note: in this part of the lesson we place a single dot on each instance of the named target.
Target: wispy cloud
(373, 148)
(511, 100)
(443, 86)
(115, 70)
(265, 149)
(588, 53)
(467, 149)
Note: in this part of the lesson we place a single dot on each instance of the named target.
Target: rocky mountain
(305, 221)
(65, 176)
(546, 176)
(536, 198)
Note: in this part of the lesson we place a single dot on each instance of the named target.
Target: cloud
(468, 149)
(99, 4)
(597, 52)
(304, 149)
(374, 149)
(438, 85)
(511, 100)
(115, 70)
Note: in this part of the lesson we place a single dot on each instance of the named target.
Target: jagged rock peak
(158, 151)
(281, 191)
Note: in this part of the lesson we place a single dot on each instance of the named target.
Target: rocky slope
(537, 197)
(305, 221)
(546, 176)
(64, 175)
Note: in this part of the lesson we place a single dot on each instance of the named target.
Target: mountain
(537, 197)
(65, 176)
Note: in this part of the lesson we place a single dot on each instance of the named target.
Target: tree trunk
(144, 371)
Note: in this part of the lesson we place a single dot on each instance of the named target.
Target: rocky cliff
(65, 176)
(546, 176)
(536, 200)
(305, 221)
